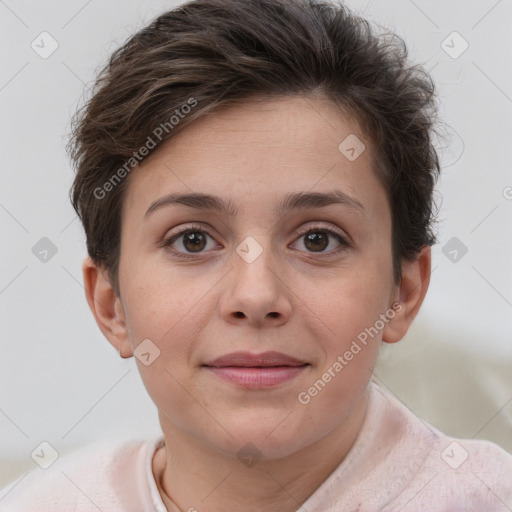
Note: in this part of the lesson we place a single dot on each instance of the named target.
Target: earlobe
(410, 295)
(106, 307)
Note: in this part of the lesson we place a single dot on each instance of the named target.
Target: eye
(192, 240)
(318, 238)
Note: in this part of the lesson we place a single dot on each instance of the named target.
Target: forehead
(261, 148)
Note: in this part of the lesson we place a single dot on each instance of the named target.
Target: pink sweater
(398, 463)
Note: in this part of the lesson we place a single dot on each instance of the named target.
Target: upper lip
(251, 360)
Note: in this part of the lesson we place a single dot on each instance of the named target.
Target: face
(268, 273)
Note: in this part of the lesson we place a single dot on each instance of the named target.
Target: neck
(192, 476)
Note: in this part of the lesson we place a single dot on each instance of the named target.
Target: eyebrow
(293, 201)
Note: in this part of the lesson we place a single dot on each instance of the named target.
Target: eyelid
(320, 227)
(168, 239)
(193, 226)
(315, 225)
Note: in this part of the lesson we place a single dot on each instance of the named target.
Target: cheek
(350, 340)
(351, 303)
(169, 316)
(158, 302)
(170, 320)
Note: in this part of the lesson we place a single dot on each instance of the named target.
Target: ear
(106, 307)
(409, 296)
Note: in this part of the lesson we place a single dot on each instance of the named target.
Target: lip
(247, 359)
(256, 371)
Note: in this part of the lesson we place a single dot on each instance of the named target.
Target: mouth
(256, 371)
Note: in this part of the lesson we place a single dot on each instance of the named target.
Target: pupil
(316, 238)
(195, 239)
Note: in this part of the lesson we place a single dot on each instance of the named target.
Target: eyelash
(166, 243)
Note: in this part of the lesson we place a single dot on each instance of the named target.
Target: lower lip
(257, 378)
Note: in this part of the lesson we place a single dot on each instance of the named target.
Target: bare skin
(304, 300)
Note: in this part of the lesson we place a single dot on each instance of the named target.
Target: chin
(270, 439)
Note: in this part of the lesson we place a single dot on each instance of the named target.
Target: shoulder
(100, 475)
(446, 472)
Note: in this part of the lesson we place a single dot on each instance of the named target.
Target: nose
(256, 292)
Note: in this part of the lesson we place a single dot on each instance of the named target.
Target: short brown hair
(214, 53)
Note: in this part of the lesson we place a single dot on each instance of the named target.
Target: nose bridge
(256, 260)
(256, 288)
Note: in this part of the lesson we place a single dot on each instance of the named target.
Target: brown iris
(194, 241)
(316, 241)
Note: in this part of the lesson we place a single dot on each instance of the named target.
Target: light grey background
(60, 380)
